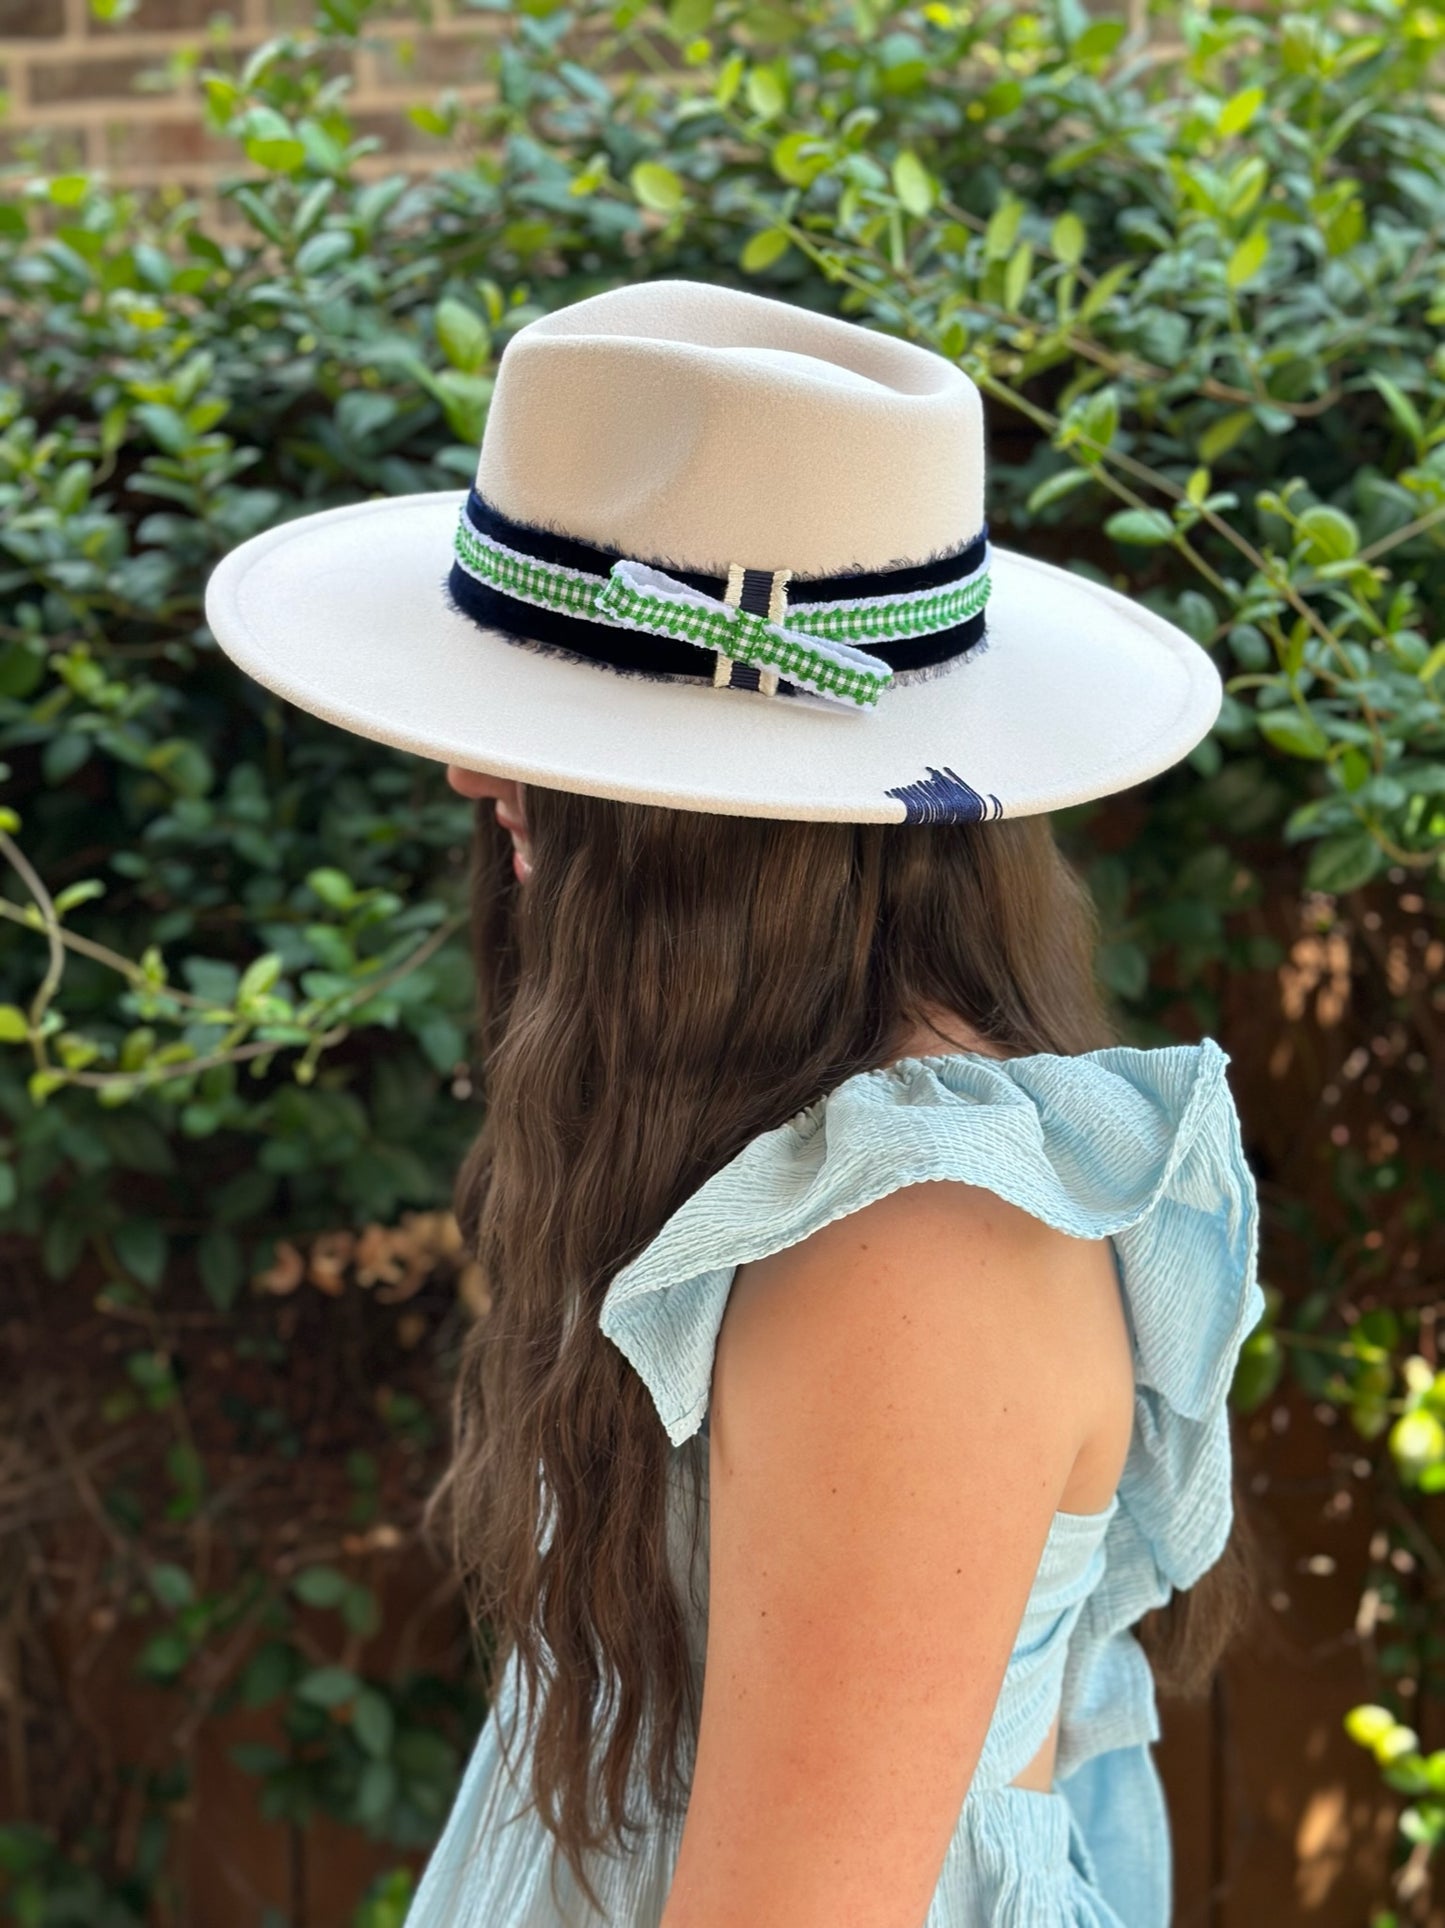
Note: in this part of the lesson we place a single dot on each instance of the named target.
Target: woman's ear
(480, 783)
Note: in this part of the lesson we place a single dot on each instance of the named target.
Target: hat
(722, 554)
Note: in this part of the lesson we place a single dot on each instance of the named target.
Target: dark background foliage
(1197, 275)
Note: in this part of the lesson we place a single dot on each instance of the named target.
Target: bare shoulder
(898, 1406)
(945, 1286)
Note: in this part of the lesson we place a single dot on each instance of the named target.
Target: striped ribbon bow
(640, 597)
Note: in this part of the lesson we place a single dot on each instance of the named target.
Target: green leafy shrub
(1198, 281)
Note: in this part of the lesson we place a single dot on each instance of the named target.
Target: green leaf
(1092, 418)
(1146, 528)
(376, 1791)
(333, 887)
(321, 1586)
(657, 187)
(328, 1687)
(165, 1656)
(1124, 969)
(1368, 1725)
(765, 93)
(324, 251)
(763, 250)
(913, 184)
(1248, 258)
(688, 18)
(1417, 1440)
(1109, 284)
(1401, 407)
(373, 1723)
(1433, 663)
(277, 157)
(1344, 863)
(465, 339)
(142, 1247)
(799, 159)
(81, 892)
(1055, 487)
(259, 977)
(466, 399)
(998, 237)
(14, 1025)
(1329, 535)
(267, 1674)
(64, 754)
(1237, 113)
(221, 1266)
(729, 80)
(1067, 239)
(1016, 275)
(1222, 434)
(1098, 41)
(1293, 733)
(172, 1586)
(1257, 1372)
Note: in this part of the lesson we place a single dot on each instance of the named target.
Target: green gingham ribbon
(817, 647)
(642, 598)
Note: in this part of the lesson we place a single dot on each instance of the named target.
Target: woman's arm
(896, 1408)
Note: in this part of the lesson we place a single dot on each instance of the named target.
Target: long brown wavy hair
(667, 985)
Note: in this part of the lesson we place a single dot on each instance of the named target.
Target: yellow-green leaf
(1433, 663)
(913, 184)
(1417, 1440)
(1067, 239)
(278, 156)
(1368, 1725)
(657, 187)
(1236, 114)
(14, 1025)
(1400, 406)
(763, 250)
(1221, 435)
(689, 17)
(1248, 258)
(765, 93)
(1003, 225)
(729, 81)
(1328, 534)
(1016, 276)
(465, 338)
(799, 159)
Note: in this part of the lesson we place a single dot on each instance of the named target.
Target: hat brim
(1079, 693)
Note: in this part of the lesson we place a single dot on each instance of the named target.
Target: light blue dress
(1142, 1147)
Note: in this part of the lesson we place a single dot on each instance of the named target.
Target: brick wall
(96, 95)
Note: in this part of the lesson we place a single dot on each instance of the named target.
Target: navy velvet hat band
(630, 649)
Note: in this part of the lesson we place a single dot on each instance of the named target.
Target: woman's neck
(939, 1031)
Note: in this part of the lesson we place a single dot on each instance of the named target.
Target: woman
(854, 1384)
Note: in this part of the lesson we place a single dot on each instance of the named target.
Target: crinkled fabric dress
(1139, 1146)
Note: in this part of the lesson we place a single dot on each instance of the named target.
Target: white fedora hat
(722, 554)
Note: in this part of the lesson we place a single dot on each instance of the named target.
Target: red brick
(80, 79)
(178, 144)
(31, 19)
(451, 60)
(172, 16)
(54, 150)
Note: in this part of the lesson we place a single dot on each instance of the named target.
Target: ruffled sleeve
(1139, 1146)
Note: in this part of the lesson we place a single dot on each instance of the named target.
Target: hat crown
(705, 427)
